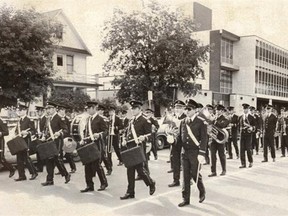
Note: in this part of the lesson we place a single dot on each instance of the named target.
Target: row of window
(226, 51)
(225, 82)
(271, 54)
(271, 84)
(69, 62)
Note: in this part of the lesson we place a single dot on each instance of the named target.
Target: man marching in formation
(192, 126)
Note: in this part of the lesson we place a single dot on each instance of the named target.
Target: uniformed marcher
(247, 126)
(115, 125)
(96, 129)
(255, 143)
(154, 124)
(269, 127)
(25, 128)
(221, 122)
(69, 156)
(138, 132)
(233, 135)
(176, 147)
(4, 132)
(284, 143)
(55, 129)
(193, 138)
(40, 130)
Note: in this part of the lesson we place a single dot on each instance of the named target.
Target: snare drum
(78, 125)
(47, 150)
(16, 145)
(89, 153)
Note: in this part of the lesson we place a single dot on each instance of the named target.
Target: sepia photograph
(143, 108)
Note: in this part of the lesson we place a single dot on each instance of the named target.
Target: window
(225, 81)
(226, 51)
(70, 64)
(59, 60)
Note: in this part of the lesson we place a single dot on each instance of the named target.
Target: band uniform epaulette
(63, 118)
(202, 119)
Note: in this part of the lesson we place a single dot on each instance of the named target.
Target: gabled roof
(54, 14)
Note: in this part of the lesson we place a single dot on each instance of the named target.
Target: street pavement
(261, 190)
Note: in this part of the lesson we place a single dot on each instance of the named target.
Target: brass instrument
(220, 135)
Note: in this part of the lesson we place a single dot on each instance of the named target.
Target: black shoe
(152, 188)
(12, 172)
(109, 172)
(168, 161)
(274, 160)
(229, 158)
(212, 175)
(127, 196)
(87, 189)
(73, 171)
(264, 161)
(103, 187)
(282, 155)
(202, 197)
(223, 173)
(257, 153)
(184, 203)
(242, 166)
(170, 171)
(21, 179)
(58, 173)
(250, 165)
(174, 184)
(67, 178)
(47, 183)
(237, 156)
(34, 176)
(207, 163)
(156, 157)
(138, 178)
(120, 163)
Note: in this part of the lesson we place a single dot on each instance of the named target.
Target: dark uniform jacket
(42, 123)
(250, 120)
(270, 125)
(199, 129)
(24, 124)
(234, 122)
(98, 125)
(142, 127)
(58, 124)
(118, 124)
(4, 132)
(125, 122)
(154, 122)
(67, 122)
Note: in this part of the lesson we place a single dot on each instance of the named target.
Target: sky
(264, 18)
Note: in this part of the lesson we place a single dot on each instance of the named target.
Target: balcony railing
(77, 77)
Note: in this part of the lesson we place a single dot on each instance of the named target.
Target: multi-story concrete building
(246, 69)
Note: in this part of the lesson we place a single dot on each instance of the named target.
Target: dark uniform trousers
(270, 126)
(190, 170)
(95, 167)
(142, 172)
(221, 153)
(284, 145)
(233, 140)
(55, 161)
(255, 144)
(3, 161)
(246, 146)
(115, 144)
(176, 160)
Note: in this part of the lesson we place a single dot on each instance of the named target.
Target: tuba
(220, 135)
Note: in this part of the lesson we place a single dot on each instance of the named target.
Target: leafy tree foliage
(26, 48)
(155, 50)
(76, 100)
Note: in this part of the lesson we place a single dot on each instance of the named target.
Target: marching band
(192, 130)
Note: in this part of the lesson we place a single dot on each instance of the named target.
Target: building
(70, 57)
(243, 69)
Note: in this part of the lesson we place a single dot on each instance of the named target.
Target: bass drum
(78, 125)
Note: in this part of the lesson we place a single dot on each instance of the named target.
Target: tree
(27, 39)
(76, 100)
(155, 51)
